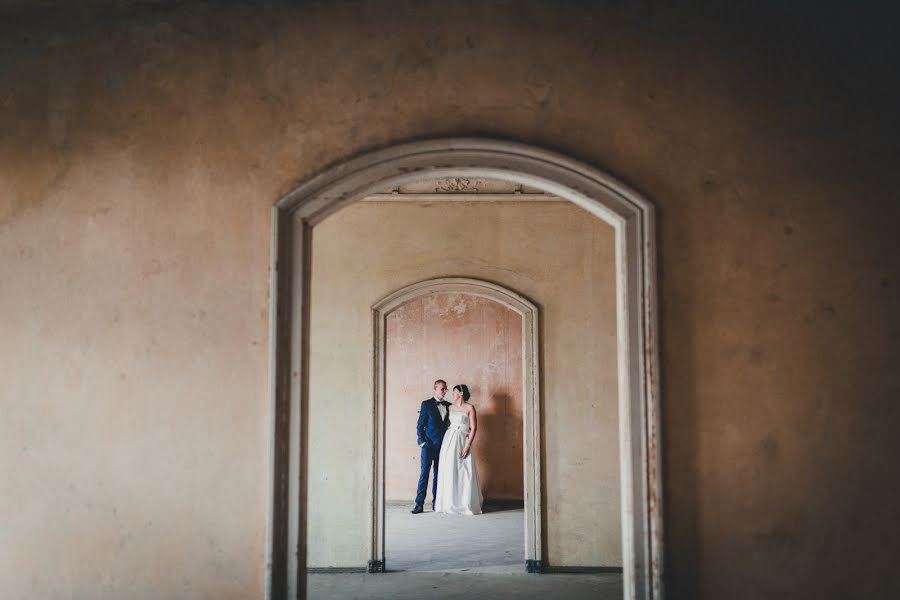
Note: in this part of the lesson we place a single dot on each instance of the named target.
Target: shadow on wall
(498, 419)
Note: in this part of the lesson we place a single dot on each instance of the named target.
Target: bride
(458, 489)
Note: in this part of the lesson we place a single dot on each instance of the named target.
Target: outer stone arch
(530, 396)
(632, 218)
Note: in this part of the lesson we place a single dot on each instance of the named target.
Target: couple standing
(446, 431)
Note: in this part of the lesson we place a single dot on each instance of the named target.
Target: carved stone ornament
(457, 185)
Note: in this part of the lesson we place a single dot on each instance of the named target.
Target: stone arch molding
(530, 399)
(632, 218)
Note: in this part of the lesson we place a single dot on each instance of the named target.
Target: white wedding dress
(458, 489)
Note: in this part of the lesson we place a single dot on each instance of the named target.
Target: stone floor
(431, 556)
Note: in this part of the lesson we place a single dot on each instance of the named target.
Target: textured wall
(555, 254)
(141, 149)
(463, 339)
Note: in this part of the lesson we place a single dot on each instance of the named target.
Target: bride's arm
(473, 427)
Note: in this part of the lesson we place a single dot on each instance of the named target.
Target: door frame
(531, 404)
(632, 218)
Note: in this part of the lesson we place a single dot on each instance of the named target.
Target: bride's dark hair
(465, 391)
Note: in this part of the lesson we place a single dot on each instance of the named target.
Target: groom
(433, 418)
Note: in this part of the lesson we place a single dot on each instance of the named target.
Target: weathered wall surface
(463, 339)
(141, 149)
(554, 253)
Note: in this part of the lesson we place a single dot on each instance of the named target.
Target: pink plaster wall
(462, 339)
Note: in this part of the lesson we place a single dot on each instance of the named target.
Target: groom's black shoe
(417, 509)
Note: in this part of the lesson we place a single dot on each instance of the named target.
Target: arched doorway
(530, 403)
(633, 221)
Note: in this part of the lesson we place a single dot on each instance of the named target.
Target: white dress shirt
(442, 409)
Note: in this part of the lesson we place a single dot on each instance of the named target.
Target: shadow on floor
(463, 586)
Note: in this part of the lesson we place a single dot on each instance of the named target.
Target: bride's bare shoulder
(469, 408)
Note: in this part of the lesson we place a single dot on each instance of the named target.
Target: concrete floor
(449, 556)
(431, 542)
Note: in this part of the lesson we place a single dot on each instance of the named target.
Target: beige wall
(554, 253)
(461, 338)
(141, 150)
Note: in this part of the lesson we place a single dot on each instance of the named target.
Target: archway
(530, 396)
(633, 221)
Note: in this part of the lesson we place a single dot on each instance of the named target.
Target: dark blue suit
(430, 430)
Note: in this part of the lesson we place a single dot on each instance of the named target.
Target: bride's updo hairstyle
(465, 391)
